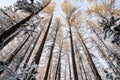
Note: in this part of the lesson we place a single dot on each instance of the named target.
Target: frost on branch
(28, 7)
(24, 74)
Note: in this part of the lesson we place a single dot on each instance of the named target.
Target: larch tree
(5, 36)
(49, 10)
(52, 47)
(69, 9)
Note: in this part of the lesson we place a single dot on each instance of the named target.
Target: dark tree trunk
(39, 52)
(81, 66)
(33, 47)
(51, 53)
(94, 69)
(73, 55)
(10, 31)
(21, 54)
(59, 71)
(58, 64)
(17, 50)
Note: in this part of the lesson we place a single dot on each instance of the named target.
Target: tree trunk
(59, 71)
(80, 63)
(94, 69)
(10, 31)
(69, 66)
(51, 53)
(17, 50)
(73, 56)
(19, 57)
(39, 52)
(49, 73)
(30, 53)
(83, 68)
(58, 64)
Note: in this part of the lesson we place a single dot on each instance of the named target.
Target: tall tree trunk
(18, 59)
(59, 71)
(49, 73)
(9, 60)
(101, 40)
(94, 69)
(77, 51)
(80, 63)
(80, 59)
(69, 67)
(58, 64)
(18, 49)
(10, 31)
(51, 53)
(33, 47)
(39, 52)
(73, 55)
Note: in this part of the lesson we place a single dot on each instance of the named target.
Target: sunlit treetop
(50, 8)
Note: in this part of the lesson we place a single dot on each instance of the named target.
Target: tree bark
(10, 31)
(39, 52)
(58, 64)
(94, 69)
(73, 55)
(69, 66)
(51, 53)
(17, 50)
(33, 47)
(81, 66)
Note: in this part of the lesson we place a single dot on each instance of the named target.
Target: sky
(6, 2)
(58, 2)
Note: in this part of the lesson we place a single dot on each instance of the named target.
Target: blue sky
(7, 2)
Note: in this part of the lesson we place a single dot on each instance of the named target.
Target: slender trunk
(83, 68)
(10, 31)
(33, 47)
(94, 69)
(59, 71)
(8, 39)
(12, 21)
(69, 67)
(39, 52)
(101, 40)
(22, 53)
(49, 73)
(51, 53)
(77, 51)
(17, 50)
(58, 64)
(80, 63)
(73, 56)
(21, 58)
(9, 60)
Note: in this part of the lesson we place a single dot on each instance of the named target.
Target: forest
(60, 40)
